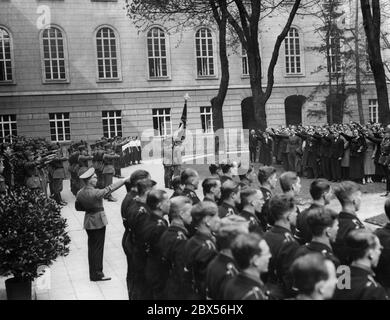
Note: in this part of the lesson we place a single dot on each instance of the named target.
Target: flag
(181, 132)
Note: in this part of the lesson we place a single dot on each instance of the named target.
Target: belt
(94, 210)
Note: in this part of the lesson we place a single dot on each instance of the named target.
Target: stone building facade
(92, 73)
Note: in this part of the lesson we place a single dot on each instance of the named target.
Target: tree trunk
(218, 101)
(258, 95)
(357, 65)
(371, 22)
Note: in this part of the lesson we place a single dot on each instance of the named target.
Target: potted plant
(32, 233)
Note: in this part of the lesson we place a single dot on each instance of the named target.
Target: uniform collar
(347, 215)
(361, 270)
(245, 274)
(318, 246)
(177, 227)
(280, 230)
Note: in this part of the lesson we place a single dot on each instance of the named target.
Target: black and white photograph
(194, 150)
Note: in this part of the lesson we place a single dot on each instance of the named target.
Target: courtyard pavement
(68, 279)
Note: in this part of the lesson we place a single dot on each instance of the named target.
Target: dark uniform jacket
(384, 158)
(192, 195)
(337, 148)
(303, 233)
(90, 200)
(317, 247)
(264, 216)
(172, 245)
(225, 210)
(254, 222)
(383, 269)
(57, 165)
(347, 223)
(108, 160)
(206, 198)
(244, 287)
(198, 253)
(363, 287)
(219, 271)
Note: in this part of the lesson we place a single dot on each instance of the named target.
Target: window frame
(371, 112)
(12, 58)
(332, 56)
(9, 122)
(114, 118)
(167, 56)
(63, 120)
(66, 56)
(215, 60)
(301, 55)
(164, 115)
(118, 55)
(204, 114)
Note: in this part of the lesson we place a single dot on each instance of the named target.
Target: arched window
(5, 56)
(107, 54)
(293, 52)
(204, 53)
(157, 53)
(54, 57)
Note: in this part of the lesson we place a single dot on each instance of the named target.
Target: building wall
(85, 97)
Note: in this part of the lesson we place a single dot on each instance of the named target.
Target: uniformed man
(384, 158)
(223, 267)
(321, 194)
(177, 187)
(190, 179)
(74, 170)
(211, 189)
(314, 277)
(167, 155)
(118, 162)
(90, 200)
(349, 196)
(323, 225)
(252, 256)
(157, 268)
(365, 250)
(97, 163)
(133, 151)
(83, 162)
(336, 155)
(283, 212)
(382, 270)
(139, 149)
(252, 202)
(57, 178)
(137, 213)
(108, 169)
(31, 172)
(230, 198)
(127, 243)
(172, 245)
(201, 248)
(268, 179)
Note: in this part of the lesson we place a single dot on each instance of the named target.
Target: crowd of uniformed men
(37, 164)
(335, 152)
(241, 241)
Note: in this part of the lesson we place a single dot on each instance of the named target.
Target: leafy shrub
(32, 233)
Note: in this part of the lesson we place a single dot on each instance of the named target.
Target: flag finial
(187, 96)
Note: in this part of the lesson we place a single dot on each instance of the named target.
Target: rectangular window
(334, 55)
(59, 127)
(292, 51)
(54, 55)
(5, 56)
(7, 127)
(206, 119)
(162, 122)
(112, 123)
(373, 110)
(204, 53)
(245, 63)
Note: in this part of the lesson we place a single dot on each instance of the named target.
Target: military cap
(88, 174)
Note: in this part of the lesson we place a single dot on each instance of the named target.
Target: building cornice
(155, 89)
